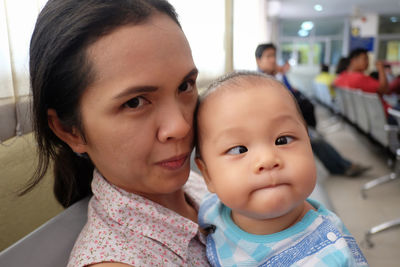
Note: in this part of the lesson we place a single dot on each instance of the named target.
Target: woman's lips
(174, 163)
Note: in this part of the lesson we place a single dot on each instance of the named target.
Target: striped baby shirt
(320, 239)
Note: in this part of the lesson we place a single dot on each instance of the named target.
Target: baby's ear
(204, 171)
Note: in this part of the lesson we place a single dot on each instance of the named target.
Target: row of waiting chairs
(365, 111)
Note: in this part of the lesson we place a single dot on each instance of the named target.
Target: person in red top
(354, 77)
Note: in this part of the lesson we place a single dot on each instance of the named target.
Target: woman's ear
(72, 137)
(203, 168)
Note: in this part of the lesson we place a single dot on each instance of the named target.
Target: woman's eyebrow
(148, 88)
(191, 73)
(135, 90)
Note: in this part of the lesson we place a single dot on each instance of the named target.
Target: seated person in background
(262, 170)
(354, 78)
(325, 77)
(394, 85)
(389, 73)
(266, 63)
(330, 158)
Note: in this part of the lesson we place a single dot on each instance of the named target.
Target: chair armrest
(50, 244)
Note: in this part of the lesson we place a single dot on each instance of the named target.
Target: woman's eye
(283, 140)
(135, 102)
(186, 85)
(237, 150)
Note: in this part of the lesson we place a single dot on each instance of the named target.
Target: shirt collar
(144, 216)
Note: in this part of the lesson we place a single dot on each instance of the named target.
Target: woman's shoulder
(100, 240)
(105, 240)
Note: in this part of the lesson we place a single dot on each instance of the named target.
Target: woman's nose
(267, 161)
(175, 123)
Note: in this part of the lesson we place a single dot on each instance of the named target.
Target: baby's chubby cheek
(232, 194)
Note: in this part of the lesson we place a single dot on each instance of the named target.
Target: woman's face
(137, 114)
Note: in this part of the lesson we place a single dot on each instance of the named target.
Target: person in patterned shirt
(114, 95)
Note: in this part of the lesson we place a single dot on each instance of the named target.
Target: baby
(255, 155)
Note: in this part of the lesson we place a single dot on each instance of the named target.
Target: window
(389, 38)
(320, 42)
(287, 52)
(295, 53)
(329, 27)
(319, 53)
(389, 24)
(17, 20)
(336, 51)
(290, 27)
(389, 50)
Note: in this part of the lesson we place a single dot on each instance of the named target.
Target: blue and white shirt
(320, 239)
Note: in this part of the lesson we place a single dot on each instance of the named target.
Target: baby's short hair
(235, 79)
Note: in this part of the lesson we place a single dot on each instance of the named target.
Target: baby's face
(256, 154)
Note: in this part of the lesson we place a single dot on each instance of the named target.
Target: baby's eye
(186, 85)
(283, 140)
(135, 102)
(237, 150)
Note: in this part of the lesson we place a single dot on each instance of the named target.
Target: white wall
(250, 28)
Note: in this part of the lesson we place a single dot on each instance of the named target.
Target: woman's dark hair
(342, 65)
(374, 75)
(324, 68)
(60, 72)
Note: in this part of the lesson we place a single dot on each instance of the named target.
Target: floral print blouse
(127, 228)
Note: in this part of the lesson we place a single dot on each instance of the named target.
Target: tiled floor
(382, 203)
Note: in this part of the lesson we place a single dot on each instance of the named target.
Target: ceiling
(305, 8)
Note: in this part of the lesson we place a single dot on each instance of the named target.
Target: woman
(114, 95)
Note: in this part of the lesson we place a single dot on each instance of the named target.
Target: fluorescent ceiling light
(307, 25)
(302, 33)
(318, 8)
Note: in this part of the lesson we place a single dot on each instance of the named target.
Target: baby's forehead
(242, 84)
(274, 90)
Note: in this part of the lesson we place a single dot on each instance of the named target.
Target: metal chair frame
(395, 174)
